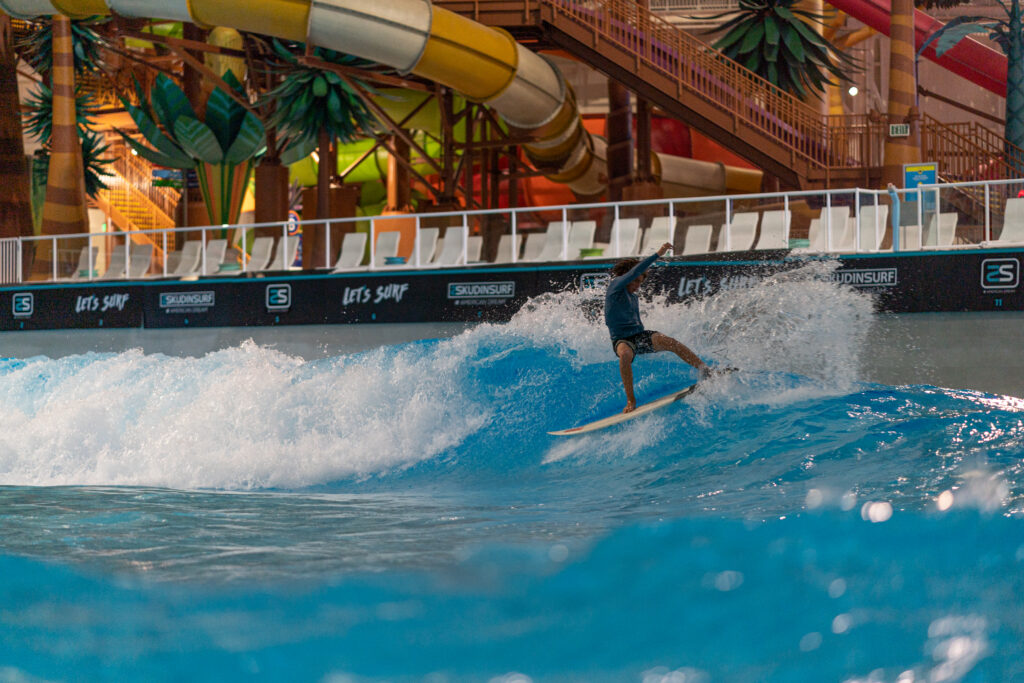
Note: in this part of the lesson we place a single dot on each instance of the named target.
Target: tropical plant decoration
(309, 100)
(223, 148)
(1008, 33)
(86, 43)
(38, 122)
(776, 40)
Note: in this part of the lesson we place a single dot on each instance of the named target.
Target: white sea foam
(252, 417)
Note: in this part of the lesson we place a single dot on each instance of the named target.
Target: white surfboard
(622, 417)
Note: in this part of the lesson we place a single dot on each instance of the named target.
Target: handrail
(673, 208)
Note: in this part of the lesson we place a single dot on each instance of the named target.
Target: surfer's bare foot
(630, 407)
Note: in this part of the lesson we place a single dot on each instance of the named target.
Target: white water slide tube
(483, 63)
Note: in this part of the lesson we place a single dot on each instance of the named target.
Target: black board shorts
(639, 343)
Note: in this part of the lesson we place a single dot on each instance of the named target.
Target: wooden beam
(362, 74)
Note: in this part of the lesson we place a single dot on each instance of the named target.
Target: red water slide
(972, 60)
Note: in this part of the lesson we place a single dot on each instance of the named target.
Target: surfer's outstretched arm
(625, 355)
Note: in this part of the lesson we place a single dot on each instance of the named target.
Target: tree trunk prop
(64, 211)
(15, 202)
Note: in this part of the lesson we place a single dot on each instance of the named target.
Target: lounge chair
(739, 234)
(534, 246)
(554, 242)
(581, 236)
(698, 239)
(872, 227)
(625, 239)
(910, 237)
(774, 230)
(353, 248)
(428, 246)
(449, 251)
(189, 258)
(116, 266)
(259, 256)
(140, 257)
(941, 232)
(386, 246)
(215, 250)
(1012, 233)
(504, 254)
(86, 257)
(662, 229)
(474, 245)
(286, 253)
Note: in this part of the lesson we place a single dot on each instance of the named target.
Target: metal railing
(846, 221)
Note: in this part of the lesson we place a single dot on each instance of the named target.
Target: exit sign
(899, 130)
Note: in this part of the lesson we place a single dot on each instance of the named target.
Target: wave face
(787, 521)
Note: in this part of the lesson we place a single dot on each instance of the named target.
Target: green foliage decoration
(86, 45)
(309, 100)
(1008, 33)
(222, 148)
(776, 40)
(38, 123)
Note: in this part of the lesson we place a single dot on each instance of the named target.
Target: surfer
(622, 316)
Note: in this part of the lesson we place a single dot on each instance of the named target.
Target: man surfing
(622, 316)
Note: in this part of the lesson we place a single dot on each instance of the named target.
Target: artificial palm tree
(314, 108)
(39, 124)
(222, 148)
(1009, 34)
(775, 39)
(60, 49)
(15, 206)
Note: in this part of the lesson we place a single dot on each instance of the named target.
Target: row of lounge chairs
(570, 240)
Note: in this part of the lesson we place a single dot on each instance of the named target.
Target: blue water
(402, 515)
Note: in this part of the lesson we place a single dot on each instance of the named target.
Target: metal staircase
(732, 105)
(131, 200)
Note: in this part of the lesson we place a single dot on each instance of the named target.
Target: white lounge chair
(428, 246)
(449, 248)
(534, 245)
(474, 245)
(353, 248)
(581, 236)
(941, 232)
(910, 237)
(663, 229)
(139, 259)
(116, 266)
(215, 250)
(698, 239)
(188, 260)
(387, 246)
(554, 241)
(872, 227)
(774, 230)
(817, 236)
(739, 234)
(625, 239)
(505, 248)
(286, 253)
(1012, 233)
(85, 257)
(262, 250)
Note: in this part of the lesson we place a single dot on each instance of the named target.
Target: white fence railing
(948, 216)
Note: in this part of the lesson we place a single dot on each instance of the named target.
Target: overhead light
(853, 91)
(135, 152)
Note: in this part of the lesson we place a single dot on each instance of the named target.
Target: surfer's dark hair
(624, 266)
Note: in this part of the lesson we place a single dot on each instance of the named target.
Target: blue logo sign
(279, 297)
(1000, 273)
(23, 305)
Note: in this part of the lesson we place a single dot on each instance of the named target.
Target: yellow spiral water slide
(483, 63)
